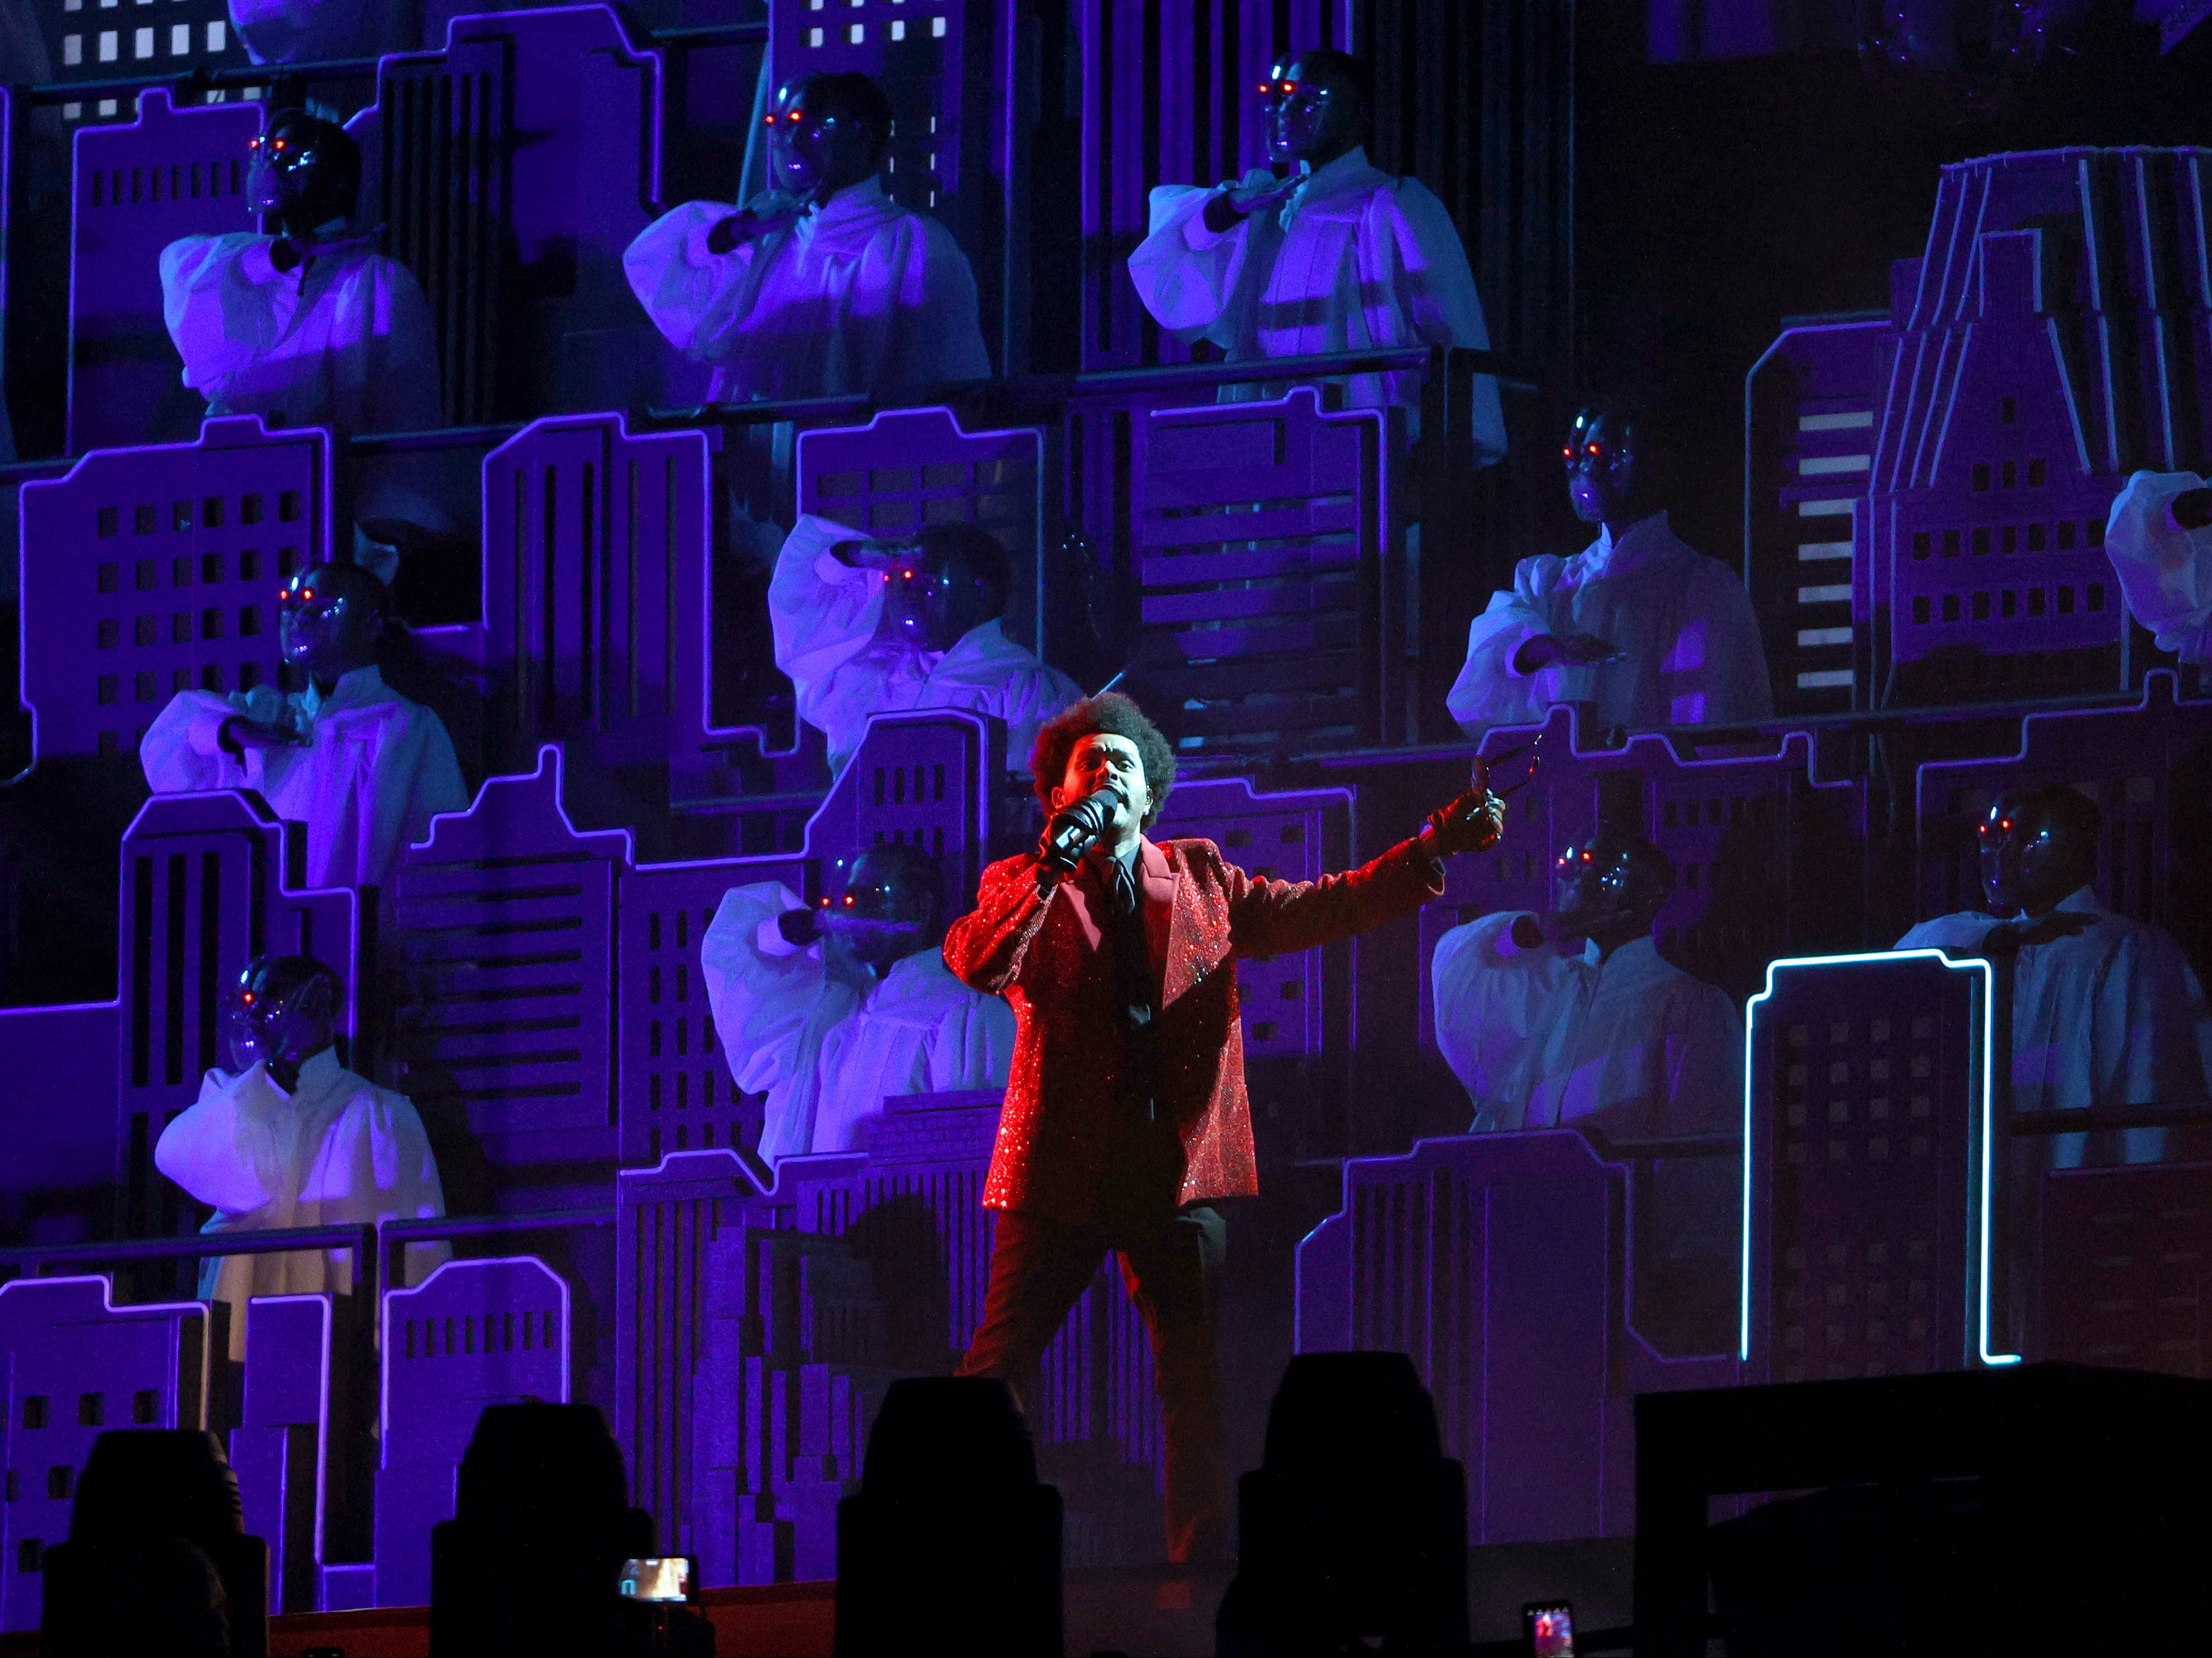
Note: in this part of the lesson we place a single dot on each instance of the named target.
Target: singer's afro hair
(1108, 714)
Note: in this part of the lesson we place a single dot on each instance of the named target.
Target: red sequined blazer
(1065, 1138)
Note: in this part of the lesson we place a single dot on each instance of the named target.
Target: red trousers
(1172, 1261)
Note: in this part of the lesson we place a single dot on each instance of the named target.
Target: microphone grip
(1070, 832)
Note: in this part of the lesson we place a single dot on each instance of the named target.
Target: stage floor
(1145, 1611)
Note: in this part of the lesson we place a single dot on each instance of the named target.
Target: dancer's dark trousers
(1172, 1261)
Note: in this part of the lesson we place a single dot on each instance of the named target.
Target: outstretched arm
(1274, 917)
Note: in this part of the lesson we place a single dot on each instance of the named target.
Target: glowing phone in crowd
(664, 1579)
(1549, 1626)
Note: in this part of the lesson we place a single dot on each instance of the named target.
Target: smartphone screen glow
(665, 1579)
(1551, 1630)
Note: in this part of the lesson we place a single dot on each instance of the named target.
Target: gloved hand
(1575, 650)
(798, 927)
(2010, 937)
(860, 554)
(1259, 189)
(1074, 827)
(2191, 508)
(286, 252)
(1474, 823)
(237, 733)
(769, 211)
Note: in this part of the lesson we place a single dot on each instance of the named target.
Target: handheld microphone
(1070, 832)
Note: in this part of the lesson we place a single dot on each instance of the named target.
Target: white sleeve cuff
(697, 253)
(1513, 641)
(836, 572)
(1506, 945)
(1198, 237)
(768, 939)
(255, 264)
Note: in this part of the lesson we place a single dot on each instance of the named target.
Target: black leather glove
(1074, 827)
(798, 927)
(1474, 823)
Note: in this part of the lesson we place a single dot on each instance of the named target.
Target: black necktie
(1133, 981)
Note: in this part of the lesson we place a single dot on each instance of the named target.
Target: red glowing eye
(247, 998)
(1586, 858)
(848, 900)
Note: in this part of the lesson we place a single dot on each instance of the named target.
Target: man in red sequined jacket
(1126, 1115)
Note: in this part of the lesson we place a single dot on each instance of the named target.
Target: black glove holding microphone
(1071, 830)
